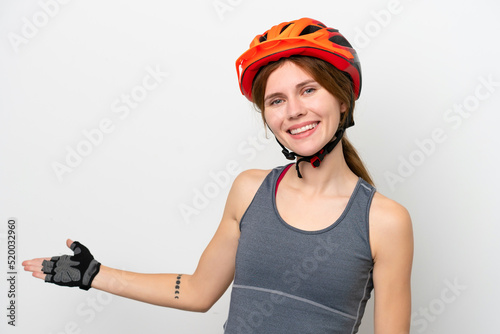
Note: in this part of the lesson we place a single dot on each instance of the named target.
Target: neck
(332, 175)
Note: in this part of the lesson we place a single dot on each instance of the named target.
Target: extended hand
(77, 270)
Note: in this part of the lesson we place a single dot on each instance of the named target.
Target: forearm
(159, 289)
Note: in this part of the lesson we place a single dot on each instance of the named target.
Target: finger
(37, 261)
(34, 264)
(69, 242)
(39, 275)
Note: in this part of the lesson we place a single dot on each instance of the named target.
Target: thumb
(69, 242)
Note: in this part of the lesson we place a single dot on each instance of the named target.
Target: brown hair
(334, 81)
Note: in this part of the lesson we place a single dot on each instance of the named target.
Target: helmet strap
(316, 158)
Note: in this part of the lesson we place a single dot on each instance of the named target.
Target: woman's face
(302, 114)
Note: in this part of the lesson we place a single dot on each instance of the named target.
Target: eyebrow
(297, 86)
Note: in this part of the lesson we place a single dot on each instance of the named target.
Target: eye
(275, 102)
(309, 90)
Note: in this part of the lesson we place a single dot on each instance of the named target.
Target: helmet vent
(284, 28)
(263, 38)
(340, 40)
(309, 30)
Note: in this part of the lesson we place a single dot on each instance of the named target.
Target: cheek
(271, 120)
(335, 111)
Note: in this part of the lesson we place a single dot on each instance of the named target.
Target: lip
(305, 133)
(299, 125)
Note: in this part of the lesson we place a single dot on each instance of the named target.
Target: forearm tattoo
(178, 286)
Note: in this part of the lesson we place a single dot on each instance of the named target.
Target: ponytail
(354, 162)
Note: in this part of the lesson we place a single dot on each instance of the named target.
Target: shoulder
(387, 211)
(243, 190)
(251, 179)
(390, 225)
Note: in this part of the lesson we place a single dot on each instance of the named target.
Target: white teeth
(302, 129)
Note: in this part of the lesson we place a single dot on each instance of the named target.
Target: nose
(295, 109)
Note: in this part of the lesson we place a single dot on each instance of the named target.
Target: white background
(67, 73)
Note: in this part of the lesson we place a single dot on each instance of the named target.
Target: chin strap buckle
(316, 160)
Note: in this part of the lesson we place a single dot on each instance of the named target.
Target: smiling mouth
(303, 129)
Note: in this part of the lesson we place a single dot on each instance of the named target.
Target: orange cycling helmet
(305, 37)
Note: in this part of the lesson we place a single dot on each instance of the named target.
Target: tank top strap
(359, 208)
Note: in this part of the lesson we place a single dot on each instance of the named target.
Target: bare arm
(213, 275)
(391, 238)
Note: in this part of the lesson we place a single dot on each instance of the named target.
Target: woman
(305, 247)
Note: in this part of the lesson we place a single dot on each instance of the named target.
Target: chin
(306, 153)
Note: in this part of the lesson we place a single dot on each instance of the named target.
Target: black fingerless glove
(77, 270)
